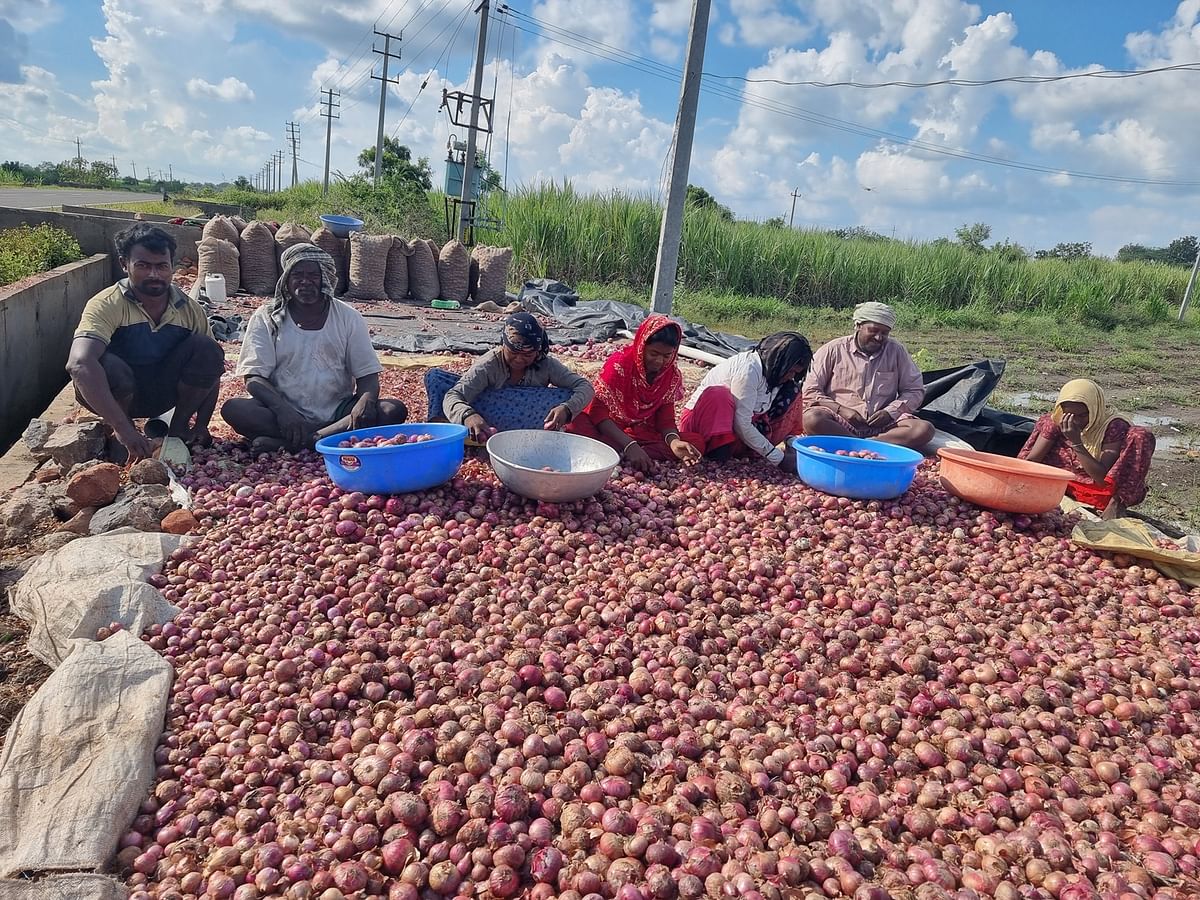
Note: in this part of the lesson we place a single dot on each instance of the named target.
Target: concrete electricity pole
(294, 140)
(279, 170)
(1187, 293)
(387, 55)
(170, 172)
(271, 175)
(78, 155)
(795, 195)
(667, 263)
(466, 210)
(328, 108)
(132, 163)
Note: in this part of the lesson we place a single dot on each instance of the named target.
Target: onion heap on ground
(714, 684)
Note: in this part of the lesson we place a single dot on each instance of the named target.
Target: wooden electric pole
(328, 110)
(667, 263)
(387, 55)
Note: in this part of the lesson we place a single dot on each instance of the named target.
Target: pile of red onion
(714, 683)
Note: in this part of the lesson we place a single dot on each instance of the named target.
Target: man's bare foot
(200, 437)
(261, 445)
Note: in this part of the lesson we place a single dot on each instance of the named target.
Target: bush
(27, 250)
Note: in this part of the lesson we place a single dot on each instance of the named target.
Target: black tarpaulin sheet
(956, 402)
(601, 319)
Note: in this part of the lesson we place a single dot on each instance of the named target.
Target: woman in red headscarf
(634, 407)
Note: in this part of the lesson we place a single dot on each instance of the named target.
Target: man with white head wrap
(866, 385)
(309, 365)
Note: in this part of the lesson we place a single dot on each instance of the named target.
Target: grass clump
(28, 250)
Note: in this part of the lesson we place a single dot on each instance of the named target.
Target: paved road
(41, 198)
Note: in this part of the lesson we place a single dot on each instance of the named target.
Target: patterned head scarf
(623, 386)
(874, 312)
(1081, 390)
(522, 331)
(298, 253)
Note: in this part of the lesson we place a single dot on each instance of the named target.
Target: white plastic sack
(64, 887)
(79, 757)
(89, 584)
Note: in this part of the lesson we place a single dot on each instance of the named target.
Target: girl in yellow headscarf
(1110, 456)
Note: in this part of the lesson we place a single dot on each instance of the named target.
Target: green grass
(612, 238)
(389, 208)
(1134, 361)
(10, 179)
(27, 250)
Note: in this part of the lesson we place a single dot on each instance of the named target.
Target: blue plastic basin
(848, 476)
(395, 470)
(341, 226)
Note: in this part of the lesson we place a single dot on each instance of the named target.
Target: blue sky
(207, 87)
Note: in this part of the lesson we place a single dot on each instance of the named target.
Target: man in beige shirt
(866, 385)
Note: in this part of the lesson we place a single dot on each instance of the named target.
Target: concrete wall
(97, 233)
(37, 320)
(114, 213)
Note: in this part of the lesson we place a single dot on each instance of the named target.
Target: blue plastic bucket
(395, 470)
(849, 476)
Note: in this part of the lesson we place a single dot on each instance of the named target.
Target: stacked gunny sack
(369, 266)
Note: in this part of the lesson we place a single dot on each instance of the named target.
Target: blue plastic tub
(848, 476)
(395, 470)
(341, 226)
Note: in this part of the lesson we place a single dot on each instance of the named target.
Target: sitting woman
(751, 401)
(634, 408)
(1110, 456)
(522, 359)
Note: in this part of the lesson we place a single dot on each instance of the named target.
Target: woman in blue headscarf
(522, 360)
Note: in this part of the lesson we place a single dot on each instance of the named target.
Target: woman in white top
(749, 403)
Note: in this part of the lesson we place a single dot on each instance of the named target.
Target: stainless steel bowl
(582, 466)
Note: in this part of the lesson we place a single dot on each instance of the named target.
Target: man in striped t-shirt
(144, 347)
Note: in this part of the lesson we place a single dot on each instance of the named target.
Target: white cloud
(763, 23)
(671, 15)
(228, 90)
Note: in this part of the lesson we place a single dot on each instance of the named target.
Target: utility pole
(387, 55)
(116, 171)
(132, 163)
(78, 155)
(667, 263)
(294, 140)
(279, 169)
(1187, 294)
(270, 178)
(328, 108)
(466, 210)
(170, 172)
(795, 194)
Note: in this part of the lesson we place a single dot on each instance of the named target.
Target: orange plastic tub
(1000, 482)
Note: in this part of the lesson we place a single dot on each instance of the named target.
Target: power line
(425, 81)
(655, 69)
(969, 82)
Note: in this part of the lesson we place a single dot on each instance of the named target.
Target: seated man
(866, 385)
(144, 347)
(308, 362)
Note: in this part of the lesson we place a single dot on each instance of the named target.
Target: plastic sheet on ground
(601, 319)
(1138, 539)
(80, 886)
(956, 403)
(79, 757)
(89, 584)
